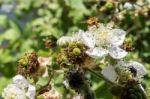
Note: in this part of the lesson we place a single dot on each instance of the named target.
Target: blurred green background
(25, 23)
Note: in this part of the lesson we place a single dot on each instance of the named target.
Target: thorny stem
(102, 77)
(48, 83)
(43, 87)
(49, 80)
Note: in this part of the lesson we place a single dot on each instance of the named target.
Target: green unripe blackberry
(116, 90)
(139, 95)
(132, 96)
(76, 51)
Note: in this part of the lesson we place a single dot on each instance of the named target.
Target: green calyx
(72, 45)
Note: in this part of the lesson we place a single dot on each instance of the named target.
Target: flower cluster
(19, 89)
(102, 42)
(81, 54)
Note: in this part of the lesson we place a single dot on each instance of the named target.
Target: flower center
(103, 39)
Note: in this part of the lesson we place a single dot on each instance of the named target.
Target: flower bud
(109, 5)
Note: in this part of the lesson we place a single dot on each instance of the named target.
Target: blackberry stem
(102, 77)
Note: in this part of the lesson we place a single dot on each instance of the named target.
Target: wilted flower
(20, 89)
(52, 94)
(33, 65)
(43, 63)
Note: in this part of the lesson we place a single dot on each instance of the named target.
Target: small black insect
(133, 70)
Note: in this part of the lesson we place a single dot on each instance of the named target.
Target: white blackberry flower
(12, 91)
(103, 40)
(31, 92)
(20, 81)
(20, 89)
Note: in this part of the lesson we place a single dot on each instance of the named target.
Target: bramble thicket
(74, 49)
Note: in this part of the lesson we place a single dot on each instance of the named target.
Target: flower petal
(118, 37)
(78, 97)
(65, 82)
(31, 92)
(64, 40)
(109, 73)
(20, 81)
(97, 52)
(44, 61)
(141, 70)
(88, 39)
(117, 53)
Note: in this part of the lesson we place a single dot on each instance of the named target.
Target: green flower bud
(109, 5)
(76, 51)
(23, 61)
